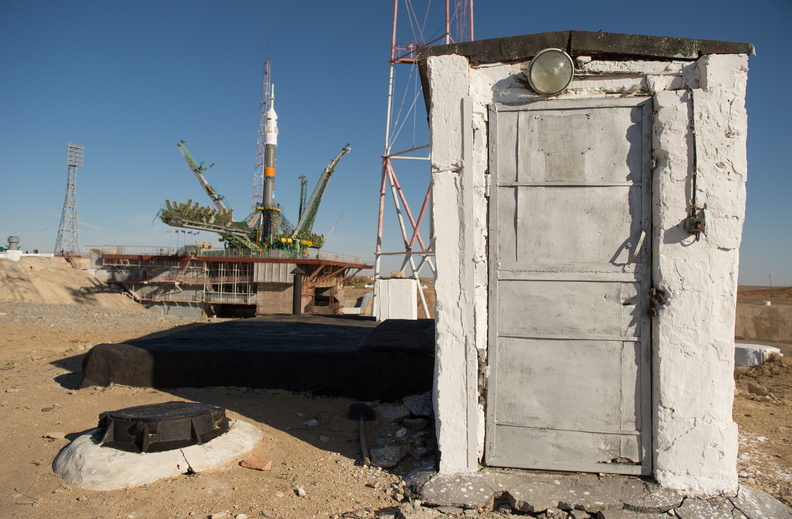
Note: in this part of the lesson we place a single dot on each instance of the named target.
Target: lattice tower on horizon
(68, 242)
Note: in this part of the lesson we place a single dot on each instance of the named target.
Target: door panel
(569, 309)
(587, 223)
(569, 339)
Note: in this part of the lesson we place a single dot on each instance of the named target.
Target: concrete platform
(329, 355)
(594, 495)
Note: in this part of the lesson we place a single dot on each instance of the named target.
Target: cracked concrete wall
(694, 437)
(453, 314)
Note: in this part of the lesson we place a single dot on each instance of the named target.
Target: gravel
(78, 317)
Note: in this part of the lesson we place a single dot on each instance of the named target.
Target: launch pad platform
(346, 356)
(230, 282)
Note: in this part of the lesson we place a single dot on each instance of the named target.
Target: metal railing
(153, 250)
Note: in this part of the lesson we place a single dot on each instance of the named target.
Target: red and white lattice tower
(68, 242)
(405, 108)
(258, 174)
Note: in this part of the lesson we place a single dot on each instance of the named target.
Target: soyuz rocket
(270, 145)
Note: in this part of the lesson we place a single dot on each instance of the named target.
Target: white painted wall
(396, 298)
(695, 439)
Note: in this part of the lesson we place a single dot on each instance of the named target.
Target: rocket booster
(270, 145)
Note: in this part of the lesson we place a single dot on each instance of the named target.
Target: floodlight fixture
(550, 71)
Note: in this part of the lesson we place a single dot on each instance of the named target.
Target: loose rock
(417, 424)
(388, 456)
(756, 389)
(419, 405)
(257, 463)
(394, 413)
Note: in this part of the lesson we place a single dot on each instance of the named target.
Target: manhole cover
(161, 427)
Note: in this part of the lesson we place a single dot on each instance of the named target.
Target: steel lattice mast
(258, 174)
(68, 242)
(415, 251)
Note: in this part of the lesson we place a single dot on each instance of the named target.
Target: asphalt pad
(327, 355)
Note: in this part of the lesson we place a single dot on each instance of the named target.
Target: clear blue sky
(128, 80)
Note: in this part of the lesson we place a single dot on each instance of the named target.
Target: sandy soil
(41, 348)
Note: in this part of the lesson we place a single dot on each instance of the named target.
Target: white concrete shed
(587, 252)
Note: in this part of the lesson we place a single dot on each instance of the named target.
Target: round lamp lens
(550, 71)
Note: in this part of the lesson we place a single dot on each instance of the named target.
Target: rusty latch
(657, 300)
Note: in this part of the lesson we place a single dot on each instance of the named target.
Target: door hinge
(657, 300)
(487, 182)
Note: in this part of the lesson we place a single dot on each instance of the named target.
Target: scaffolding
(228, 280)
(183, 279)
(415, 251)
(68, 241)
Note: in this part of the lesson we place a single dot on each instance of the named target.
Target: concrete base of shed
(596, 495)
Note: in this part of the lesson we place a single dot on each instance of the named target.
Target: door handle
(635, 250)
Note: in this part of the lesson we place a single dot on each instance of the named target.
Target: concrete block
(395, 298)
(753, 354)
(11, 255)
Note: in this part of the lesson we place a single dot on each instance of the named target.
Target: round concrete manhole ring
(161, 427)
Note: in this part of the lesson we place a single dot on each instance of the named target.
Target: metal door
(569, 332)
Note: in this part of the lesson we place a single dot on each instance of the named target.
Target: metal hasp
(696, 223)
(657, 300)
(162, 427)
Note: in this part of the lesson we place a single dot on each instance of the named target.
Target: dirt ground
(757, 295)
(316, 470)
(763, 408)
(43, 410)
